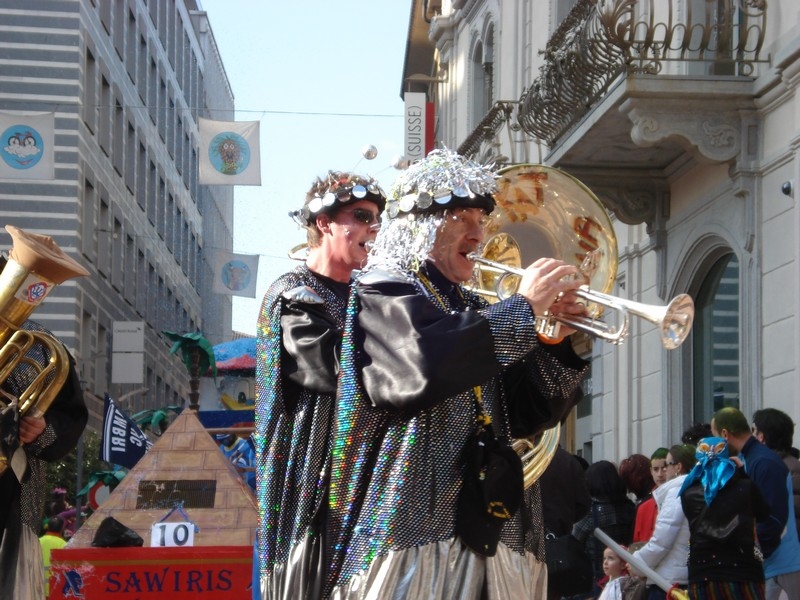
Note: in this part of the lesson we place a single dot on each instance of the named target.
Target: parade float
(185, 516)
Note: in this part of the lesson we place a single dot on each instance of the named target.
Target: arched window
(482, 78)
(716, 351)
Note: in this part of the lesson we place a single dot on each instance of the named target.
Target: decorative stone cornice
(709, 135)
(442, 30)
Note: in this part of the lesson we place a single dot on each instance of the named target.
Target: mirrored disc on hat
(407, 202)
(424, 200)
(359, 191)
(443, 197)
(328, 199)
(315, 205)
(461, 191)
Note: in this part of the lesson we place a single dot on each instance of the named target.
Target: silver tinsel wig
(417, 204)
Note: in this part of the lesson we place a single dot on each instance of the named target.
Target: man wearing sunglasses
(298, 345)
(426, 495)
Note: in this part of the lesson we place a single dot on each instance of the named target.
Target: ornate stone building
(682, 117)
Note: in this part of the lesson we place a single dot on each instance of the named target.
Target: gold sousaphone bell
(543, 211)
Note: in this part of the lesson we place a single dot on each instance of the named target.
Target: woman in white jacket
(667, 550)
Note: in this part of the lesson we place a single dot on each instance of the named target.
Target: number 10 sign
(172, 534)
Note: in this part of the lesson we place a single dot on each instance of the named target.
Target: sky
(324, 80)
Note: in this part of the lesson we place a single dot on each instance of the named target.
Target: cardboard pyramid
(185, 469)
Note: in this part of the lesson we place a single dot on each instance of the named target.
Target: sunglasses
(362, 215)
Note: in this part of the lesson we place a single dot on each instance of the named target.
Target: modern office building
(125, 81)
(681, 116)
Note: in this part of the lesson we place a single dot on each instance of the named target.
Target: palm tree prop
(198, 356)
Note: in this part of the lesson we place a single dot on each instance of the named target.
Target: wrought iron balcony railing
(488, 128)
(602, 39)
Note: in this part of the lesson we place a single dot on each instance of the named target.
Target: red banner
(207, 572)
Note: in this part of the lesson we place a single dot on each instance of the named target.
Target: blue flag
(124, 443)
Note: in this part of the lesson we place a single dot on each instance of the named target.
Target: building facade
(681, 116)
(127, 81)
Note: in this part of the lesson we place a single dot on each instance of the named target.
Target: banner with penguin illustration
(229, 152)
(26, 146)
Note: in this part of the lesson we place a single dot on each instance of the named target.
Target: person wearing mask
(667, 549)
(298, 345)
(427, 497)
(722, 505)
(775, 429)
(777, 538)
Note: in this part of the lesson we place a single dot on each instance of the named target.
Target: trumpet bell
(677, 321)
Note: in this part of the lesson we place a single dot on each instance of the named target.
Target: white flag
(235, 274)
(26, 146)
(229, 153)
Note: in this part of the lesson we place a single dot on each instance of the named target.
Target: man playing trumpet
(426, 495)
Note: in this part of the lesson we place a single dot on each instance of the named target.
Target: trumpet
(673, 320)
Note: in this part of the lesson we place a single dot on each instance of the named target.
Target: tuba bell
(546, 212)
(35, 266)
(543, 211)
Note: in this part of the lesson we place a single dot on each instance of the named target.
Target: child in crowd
(616, 571)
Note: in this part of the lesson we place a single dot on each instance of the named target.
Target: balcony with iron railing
(630, 90)
(603, 40)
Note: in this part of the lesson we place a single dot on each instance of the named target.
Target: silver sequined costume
(414, 354)
(299, 334)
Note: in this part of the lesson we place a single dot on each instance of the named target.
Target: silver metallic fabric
(444, 570)
(293, 421)
(412, 363)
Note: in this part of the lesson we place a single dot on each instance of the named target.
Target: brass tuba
(35, 266)
(542, 211)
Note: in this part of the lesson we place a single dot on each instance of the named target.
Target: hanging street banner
(123, 443)
(418, 126)
(235, 274)
(229, 152)
(26, 146)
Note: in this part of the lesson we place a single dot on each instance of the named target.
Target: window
(716, 340)
(90, 92)
(482, 78)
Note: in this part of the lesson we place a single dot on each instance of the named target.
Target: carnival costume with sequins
(299, 335)
(424, 363)
(413, 357)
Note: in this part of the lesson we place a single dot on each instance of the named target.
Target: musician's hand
(568, 305)
(30, 428)
(546, 282)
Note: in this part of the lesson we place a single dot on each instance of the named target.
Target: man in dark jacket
(779, 543)
(775, 429)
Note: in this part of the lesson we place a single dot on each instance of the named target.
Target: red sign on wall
(200, 572)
